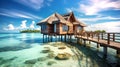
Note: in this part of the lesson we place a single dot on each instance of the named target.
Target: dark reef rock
(46, 50)
(33, 61)
(42, 58)
(51, 55)
(51, 62)
(2, 60)
(14, 48)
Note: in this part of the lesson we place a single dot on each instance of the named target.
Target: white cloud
(23, 24)
(18, 14)
(95, 6)
(11, 27)
(32, 25)
(35, 4)
(108, 26)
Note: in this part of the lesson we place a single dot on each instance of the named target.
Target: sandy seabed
(45, 56)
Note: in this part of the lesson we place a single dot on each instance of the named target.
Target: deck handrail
(103, 36)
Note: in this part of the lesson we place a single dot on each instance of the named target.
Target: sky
(16, 15)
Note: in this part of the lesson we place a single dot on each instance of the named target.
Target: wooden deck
(111, 40)
(113, 44)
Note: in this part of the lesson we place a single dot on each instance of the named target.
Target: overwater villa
(61, 24)
(68, 25)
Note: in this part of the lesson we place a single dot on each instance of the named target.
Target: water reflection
(24, 36)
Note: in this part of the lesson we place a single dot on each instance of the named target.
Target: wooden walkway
(111, 40)
(113, 44)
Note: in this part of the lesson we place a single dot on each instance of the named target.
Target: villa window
(65, 28)
(54, 27)
(44, 27)
(79, 29)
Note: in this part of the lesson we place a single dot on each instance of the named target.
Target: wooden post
(51, 38)
(80, 41)
(89, 42)
(43, 38)
(46, 38)
(113, 36)
(61, 37)
(77, 40)
(98, 37)
(108, 38)
(87, 35)
(98, 45)
(65, 37)
(118, 53)
(70, 38)
(56, 38)
(92, 35)
(105, 52)
(102, 36)
(84, 42)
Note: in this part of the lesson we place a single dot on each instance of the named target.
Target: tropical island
(30, 31)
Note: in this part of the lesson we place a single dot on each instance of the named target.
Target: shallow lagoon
(25, 50)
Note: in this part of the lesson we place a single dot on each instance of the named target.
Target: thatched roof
(76, 22)
(57, 18)
(53, 18)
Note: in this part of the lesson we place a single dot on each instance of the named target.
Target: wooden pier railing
(112, 37)
(111, 40)
(109, 37)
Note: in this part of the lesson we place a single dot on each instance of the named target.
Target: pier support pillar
(105, 52)
(46, 38)
(51, 38)
(78, 40)
(56, 38)
(89, 42)
(81, 42)
(61, 37)
(84, 42)
(118, 53)
(70, 38)
(43, 38)
(98, 46)
(65, 38)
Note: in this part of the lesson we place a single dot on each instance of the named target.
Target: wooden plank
(113, 44)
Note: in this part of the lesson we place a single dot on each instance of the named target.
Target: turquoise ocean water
(18, 47)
